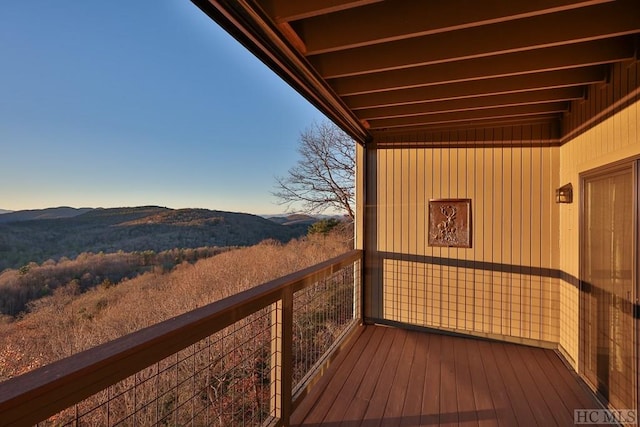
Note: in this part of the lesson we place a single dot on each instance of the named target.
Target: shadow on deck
(391, 376)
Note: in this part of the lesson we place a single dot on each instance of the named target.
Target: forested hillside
(32, 281)
(133, 229)
(69, 321)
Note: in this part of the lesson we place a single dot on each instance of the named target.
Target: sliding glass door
(608, 265)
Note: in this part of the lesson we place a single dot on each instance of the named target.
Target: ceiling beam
(538, 60)
(607, 20)
(477, 103)
(493, 86)
(498, 129)
(472, 115)
(292, 36)
(413, 18)
(288, 10)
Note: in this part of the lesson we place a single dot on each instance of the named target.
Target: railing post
(282, 357)
(287, 355)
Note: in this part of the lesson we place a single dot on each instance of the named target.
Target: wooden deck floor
(395, 377)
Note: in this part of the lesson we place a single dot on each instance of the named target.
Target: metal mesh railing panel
(322, 313)
(222, 380)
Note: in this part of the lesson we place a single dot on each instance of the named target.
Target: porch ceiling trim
(396, 70)
(248, 24)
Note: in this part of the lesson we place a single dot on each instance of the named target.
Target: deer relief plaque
(450, 223)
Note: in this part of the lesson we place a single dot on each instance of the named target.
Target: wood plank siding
(602, 129)
(506, 284)
(520, 280)
(391, 376)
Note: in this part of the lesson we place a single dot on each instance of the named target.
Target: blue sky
(126, 103)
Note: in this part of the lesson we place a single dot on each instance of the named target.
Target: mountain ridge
(38, 214)
(133, 229)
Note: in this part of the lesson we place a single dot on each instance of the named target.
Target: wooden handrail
(43, 392)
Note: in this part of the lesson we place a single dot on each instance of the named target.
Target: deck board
(559, 411)
(347, 360)
(531, 388)
(414, 397)
(431, 389)
(399, 389)
(503, 409)
(384, 381)
(395, 377)
(481, 392)
(517, 396)
(356, 373)
(567, 378)
(377, 355)
(448, 386)
(467, 412)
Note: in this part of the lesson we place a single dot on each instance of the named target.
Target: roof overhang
(397, 71)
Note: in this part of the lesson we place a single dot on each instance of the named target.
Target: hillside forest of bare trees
(69, 320)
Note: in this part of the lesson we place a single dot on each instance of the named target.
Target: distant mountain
(294, 219)
(132, 229)
(4, 211)
(37, 214)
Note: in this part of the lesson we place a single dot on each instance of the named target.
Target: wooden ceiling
(381, 67)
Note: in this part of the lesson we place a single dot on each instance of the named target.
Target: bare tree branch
(323, 177)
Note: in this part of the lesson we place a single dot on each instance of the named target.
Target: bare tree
(323, 177)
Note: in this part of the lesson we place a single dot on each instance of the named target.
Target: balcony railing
(244, 360)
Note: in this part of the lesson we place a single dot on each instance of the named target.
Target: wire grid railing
(222, 380)
(235, 362)
(322, 314)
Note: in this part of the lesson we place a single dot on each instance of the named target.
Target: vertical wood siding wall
(506, 284)
(520, 279)
(600, 130)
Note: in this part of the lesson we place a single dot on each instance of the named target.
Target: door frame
(602, 171)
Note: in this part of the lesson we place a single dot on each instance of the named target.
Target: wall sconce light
(564, 194)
